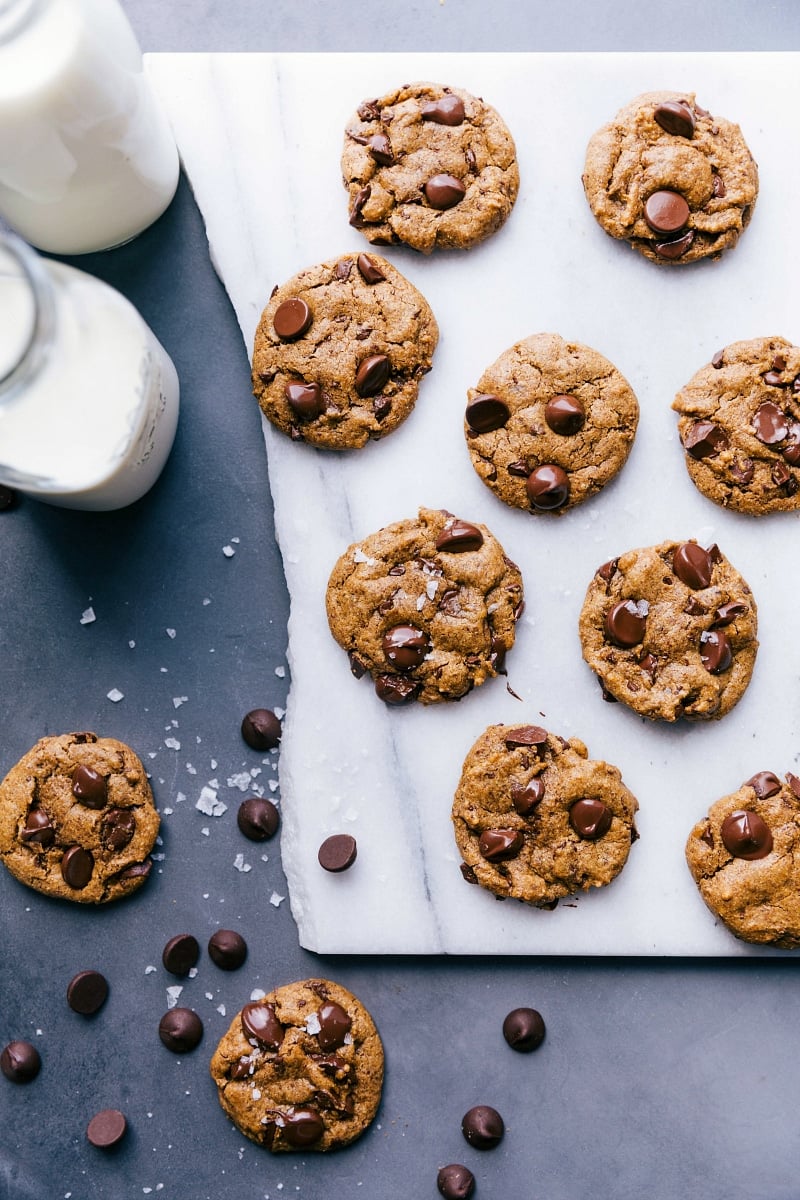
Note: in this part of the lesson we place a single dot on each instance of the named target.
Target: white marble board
(260, 137)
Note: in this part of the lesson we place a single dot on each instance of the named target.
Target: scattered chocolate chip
(334, 1026)
(227, 949)
(675, 117)
(526, 797)
(524, 1029)
(625, 622)
(746, 835)
(89, 786)
(447, 111)
(258, 819)
(20, 1062)
(485, 413)
(87, 992)
(459, 537)
(180, 954)
(675, 247)
(726, 614)
(38, 828)
(338, 852)
(500, 845)
(361, 197)
(666, 212)
(181, 1030)
(380, 148)
(770, 423)
(107, 1128)
(718, 359)
(77, 865)
(565, 415)
(306, 400)
(405, 646)
(260, 1024)
(261, 729)
(590, 818)
(444, 191)
(704, 439)
(693, 566)
(483, 1127)
(8, 498)
(396, 689)
(117, 828)
(715, 651)
(368, 270)
(455, 1182)
(764, 784)
(373, 375)
(547, 487)
(292, 319)
(302, 1127)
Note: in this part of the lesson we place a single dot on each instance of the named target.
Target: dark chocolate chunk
(500, 845)
(258, 818)
(770, 423)
(337, 853)
(547, 487)
(485, 413)
(675, 117)
(260, 1024)
(565, 414)
(180, 954)
(181, 1030)
(483, 1127)
(107, 1128)
(334, 1026)
(625, 622)
(117, 828)
(590, 818)
(368, 270)
(715, 651)
(38, 829)
(526, 797)
(692, 564)
(675, 247)
(726, 614)
(261, 729)
(447, 111)
(373, 375)
(87, 992)
(227, 949)
(458, 537)
(380, 148)
(524, 1029)
(20, 1062)
(292, 319)
(704, 439)
(306, 400)
(746, 835)
(666, 211)
(302, 1127)
(764, 784)
(89, 787)
(396, 689)
(525, 735)
(77, 865)
(455, 1182)
(405, 646)
(361, 197)
(444, 191)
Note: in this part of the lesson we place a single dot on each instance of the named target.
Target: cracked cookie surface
(428, 166)
(340, 350)
(77, 819)
(302, 1068)
(745, 859)
(428, 606)
(670, 630)
(549, 424)
(676, 182)
(739, 425)
(536, 819)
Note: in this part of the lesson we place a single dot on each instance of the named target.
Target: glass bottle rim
(32, 348)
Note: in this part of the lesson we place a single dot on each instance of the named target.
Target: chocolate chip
(292, 319)
(8, 498)
(38, 829)
(447, 111)
(746, 835)
(261, 729)
(692, 564)
(704, 439)
(782, 477)
(117, 828)
(370, 111)
(675, 117)
(444, 191)
(305, 399)
(338, 852)
(590, 818)
(649, 664)
(455, 1182)
(361, 197)
(380, 148)
(107, 1128)
(715, 651)
(258, 819)
(459, 537)
(519, 469)
(260, 1024)
(743, 470)
(381, 407)
(524, 1029)
(547, 487)
(764, 784)
(666, 211)
(180, 954)
(485, 413)
(358, 669)
(373, 375)
(718, 359)
(343, 269)
(87, 992)
(137, 870)
(565, 415)
(302, 1127)
(181, 1030)
(405, 646)
(483, 1127)
(334, 1026)
(772, 379)
(726, 614)
(527, 796)
(791, 451)
(500, 845)
(718, 189)
(77, 865)
(396, 689)
(770, 423)
(608, 570)
(20, 1062)
(525, 735)
(675, 247)
(369, 272)
(227, 949)
(89, 786)
(794, 784)
(625, 622)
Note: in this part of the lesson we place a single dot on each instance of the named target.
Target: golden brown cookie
(340, 351)
(676, 182)
(739, 425)
(536, 819)
(427, 606)
(745, 859)
(301, 1069)
(429, 166)
(670, 630)
(77, 819)
(549, 424)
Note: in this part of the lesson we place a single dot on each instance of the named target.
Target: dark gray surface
(656, 1078)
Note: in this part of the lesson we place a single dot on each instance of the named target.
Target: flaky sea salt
(228, 551)
(312, 1024)
(430, 587)
(240, 781)
(87, 616)
(221, 1009)
(150, 970)
(172, 743)
(115, 695)
(257, 994)
(208, 802)
(280, 672)
(275, 899)
(241, 865)
(172, 994)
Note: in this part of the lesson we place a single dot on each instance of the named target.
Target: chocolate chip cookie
(674, 181)
(549, 424)
(670, 630)
(429, 166)
(340, 351)
(427, 606)
(77, 819)
(536, 819)
(744, 859)
(739, 425)
(301, 1069)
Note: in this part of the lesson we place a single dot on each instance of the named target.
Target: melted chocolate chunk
(746, 835)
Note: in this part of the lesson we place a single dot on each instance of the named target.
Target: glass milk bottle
(88, 396)
(87, 158)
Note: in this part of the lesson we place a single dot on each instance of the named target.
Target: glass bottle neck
(15, 16)
(28, 307)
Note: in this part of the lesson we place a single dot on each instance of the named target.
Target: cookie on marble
(77, 819)
(426, 606)
(340, 351)
(670, 630)
(549, 424)
(536, 819)
(301, 1069)
(676, 182)
(745, 859)
(739, 425)
(429, 166)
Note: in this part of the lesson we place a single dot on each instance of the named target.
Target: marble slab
(260, 138)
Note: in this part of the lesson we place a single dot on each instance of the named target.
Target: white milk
(87, 158)
(88, 413)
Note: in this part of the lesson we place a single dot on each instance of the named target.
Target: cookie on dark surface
(670, 630)
(675, 181)
(426, 606)
(340, 351)
(536, 819)
(549, 424)
(429, 166)
(739, 426)
(77, 819)
(744, 859)
(301, 1069)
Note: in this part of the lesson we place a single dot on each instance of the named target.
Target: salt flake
(228, 551)
(172, 743)
(240, 781)
(312, 1024)
(177, 701)
(257, 994)
(208, 802)
(275, 899)
(150, 970)
(241, 865)
(171, 633)
(221, 1009)
(115, 695)
(172, 994)
(87, 616)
